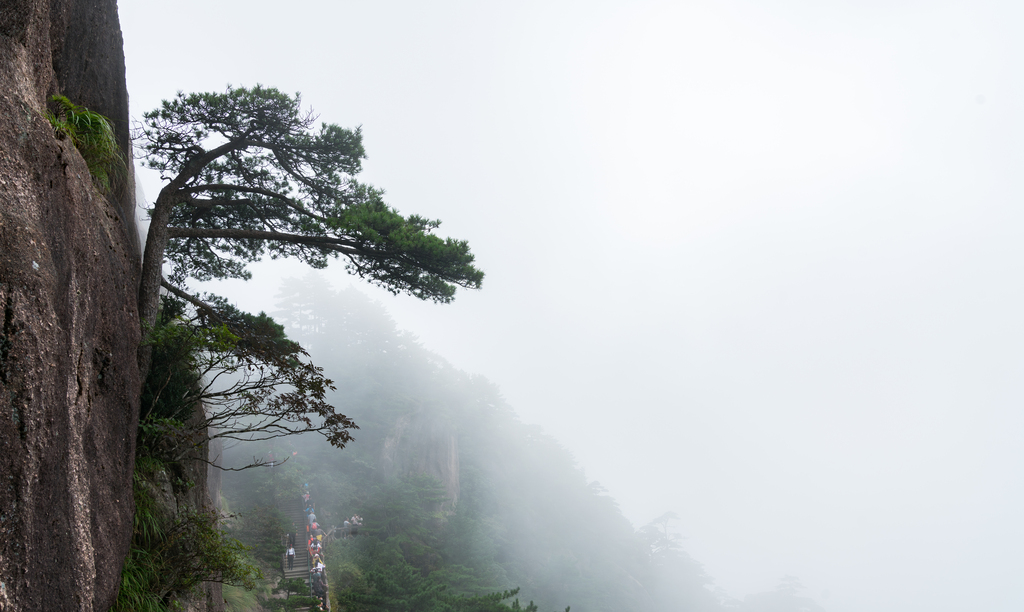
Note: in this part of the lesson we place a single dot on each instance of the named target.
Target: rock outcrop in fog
(419, 444)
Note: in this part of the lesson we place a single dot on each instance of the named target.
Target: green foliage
(526, 516)
(388, 582)
(253, 382)
(238, 599)
(146, 528)
(173, 556)
(93, 136)
(396, 564)
(175, 376)
(250, 173)
(408, 507)
(260, 529)
(295, 585)
(295, 602)
(137, 578)
(671, 574)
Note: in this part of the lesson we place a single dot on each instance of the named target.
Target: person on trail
(312, 518)
(291, 556)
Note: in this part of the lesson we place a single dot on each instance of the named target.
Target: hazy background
(758, 263)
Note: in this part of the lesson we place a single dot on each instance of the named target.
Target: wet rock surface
(69, 383)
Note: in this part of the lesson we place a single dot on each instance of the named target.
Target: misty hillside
(455, 491)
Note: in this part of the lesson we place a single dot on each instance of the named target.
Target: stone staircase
(295, 514)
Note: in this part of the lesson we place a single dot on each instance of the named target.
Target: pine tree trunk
(152, 274)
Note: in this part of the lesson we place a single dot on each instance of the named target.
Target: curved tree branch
(191, 299)
(339, 245)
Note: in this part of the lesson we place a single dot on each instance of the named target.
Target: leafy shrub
(254, 383)
(238, 599)
(295, 602)
(174, 557)
(261, 529)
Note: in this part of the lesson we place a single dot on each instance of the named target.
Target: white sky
(758, 263)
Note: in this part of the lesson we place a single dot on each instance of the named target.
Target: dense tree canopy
(249, 173)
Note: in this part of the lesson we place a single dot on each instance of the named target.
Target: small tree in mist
(674, 578)
(253, 383)
(785, 598)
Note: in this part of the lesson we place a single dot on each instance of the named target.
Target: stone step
(295, 514)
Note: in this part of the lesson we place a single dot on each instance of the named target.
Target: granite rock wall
(69, 259)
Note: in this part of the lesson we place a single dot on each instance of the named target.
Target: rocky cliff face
(69, 382)
(423, 444)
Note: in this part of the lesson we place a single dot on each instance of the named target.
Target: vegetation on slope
(525, 516)
(178, 542)
(522, 516)
(175, 549)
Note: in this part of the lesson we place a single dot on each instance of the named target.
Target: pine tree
(249, 174)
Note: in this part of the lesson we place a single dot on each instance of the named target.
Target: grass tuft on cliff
(93, 136)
